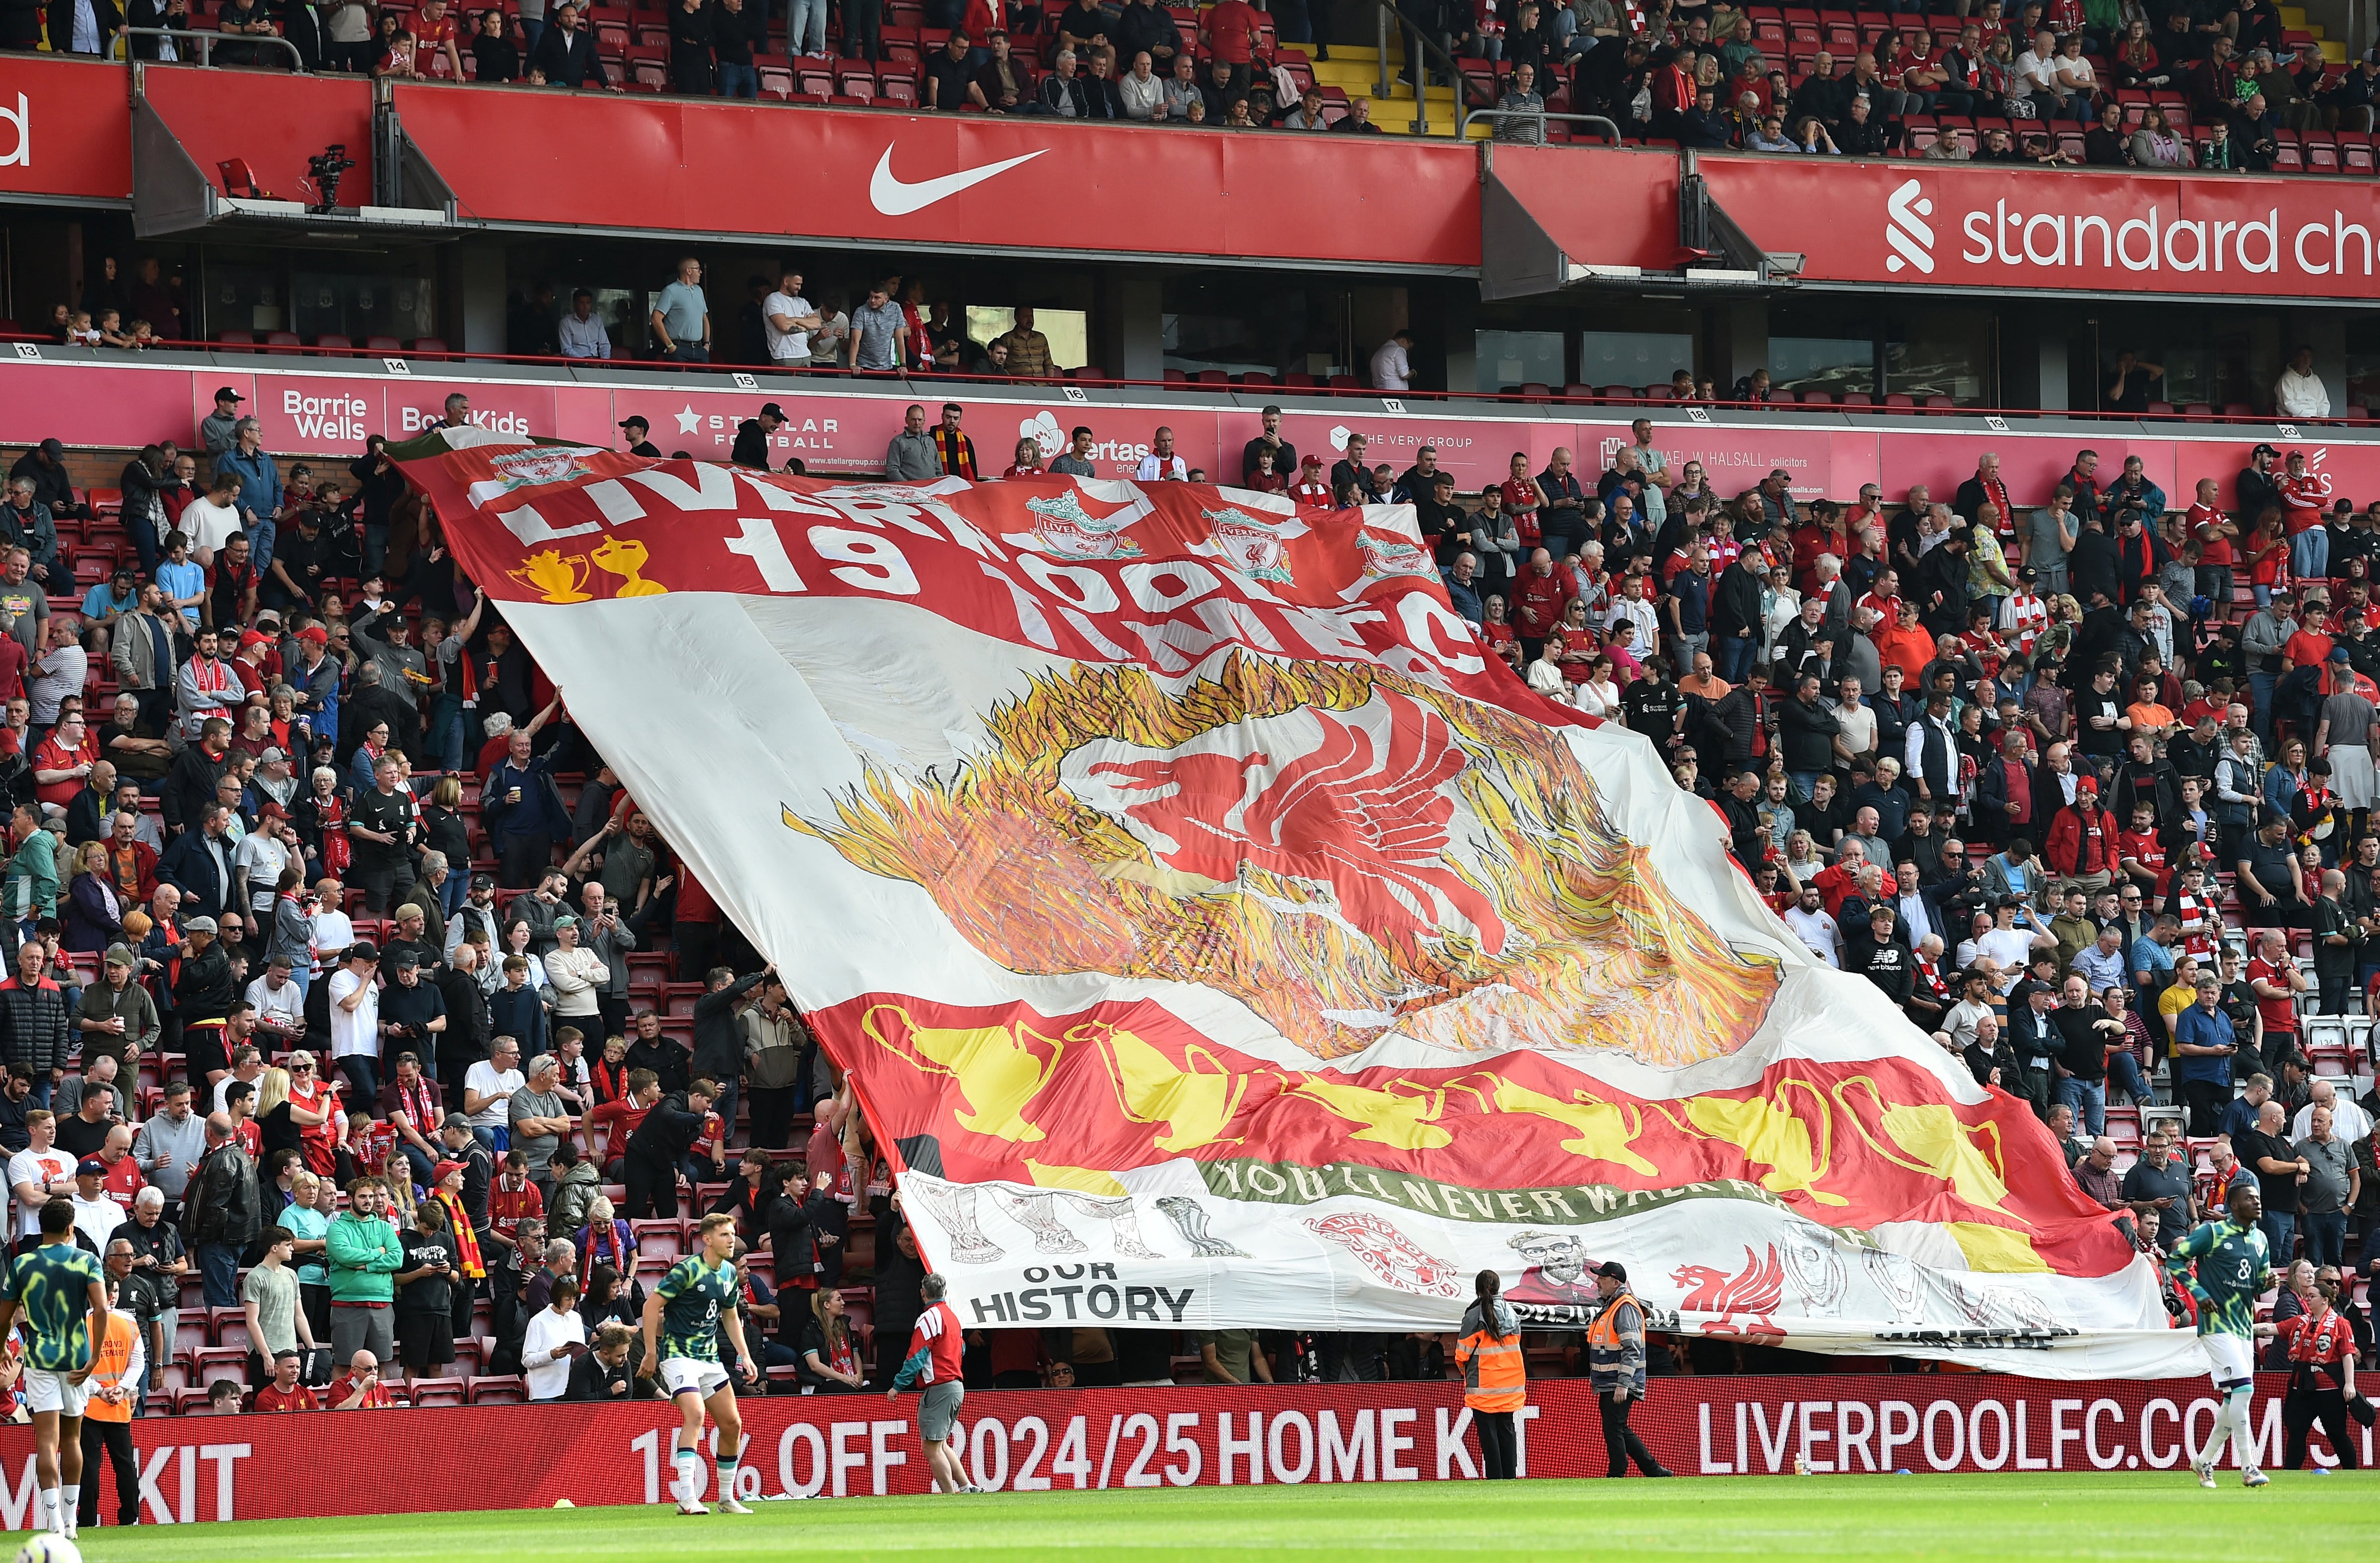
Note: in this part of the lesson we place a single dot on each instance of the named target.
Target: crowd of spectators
(2168, 84)
(351, 991)
(1136, 61)
(2081, 780)
(2156, 86)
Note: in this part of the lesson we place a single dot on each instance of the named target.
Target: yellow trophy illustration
(625, 557)
(559, 578)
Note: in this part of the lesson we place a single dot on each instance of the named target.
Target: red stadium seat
(223, 1361)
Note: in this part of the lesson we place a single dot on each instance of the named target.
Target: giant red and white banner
(1190, 895)
(200, 1470)
(1992, 227)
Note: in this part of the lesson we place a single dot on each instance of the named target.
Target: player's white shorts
(51, 1392)
(680, 1375)
(2234, 1359)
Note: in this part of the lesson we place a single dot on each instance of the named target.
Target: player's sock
(69, 1507)
(726, 1464)
(2237, 1402)
(689, 1473)
(2223, 1419)
(50, 1512)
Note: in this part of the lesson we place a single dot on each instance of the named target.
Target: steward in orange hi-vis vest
(116, 1365)
(1495, 1380)
(116, 1371)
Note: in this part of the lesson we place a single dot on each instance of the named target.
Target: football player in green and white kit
(683, 1318)
(2233, 1263)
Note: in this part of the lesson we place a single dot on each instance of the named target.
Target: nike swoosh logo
(892, 197)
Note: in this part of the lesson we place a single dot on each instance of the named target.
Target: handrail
(1540, 115)
(1416, 44)
(779, 381)
(208, 39)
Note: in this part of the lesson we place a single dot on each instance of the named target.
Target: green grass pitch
(2115, 1515)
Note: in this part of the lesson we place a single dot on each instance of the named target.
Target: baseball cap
(2337, 654)
(565, 921)
(52, 449)
(90, 1167)
(456, 1121)
(226, 394)
(316, 634)
(121, 955)
(2264, 450)
(363, 950)
(1613, 1268)
(771, 409)
(407, 909)
(408, 960)
(635, 421)
(439, 1172)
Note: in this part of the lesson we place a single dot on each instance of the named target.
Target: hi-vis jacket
(1494, 1378)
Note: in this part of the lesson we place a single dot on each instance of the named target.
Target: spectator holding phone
(556, 1338)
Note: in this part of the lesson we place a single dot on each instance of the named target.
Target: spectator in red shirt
(1539, 597)
(1310, 489)
(434, 43)
(121, 1183)
(62, 761)
(621, 1117)
(511, 1199)
(2208, 525)
(284, 1393)
(1231, 31)
(13, 660)
(356, 1387)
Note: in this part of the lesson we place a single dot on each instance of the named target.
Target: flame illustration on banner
(1212, 934)
(1317, 891)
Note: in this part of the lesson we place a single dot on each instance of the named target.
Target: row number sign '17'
(1218, 936)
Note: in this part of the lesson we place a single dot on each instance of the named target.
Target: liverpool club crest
(536, 465)
(1255, 546)
(1062, 526)
(1388, 557)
